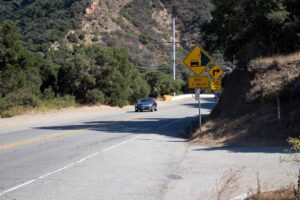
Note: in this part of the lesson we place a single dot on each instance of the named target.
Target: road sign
(216, 72)
(198, 82)
(197, 60)
(216, 84)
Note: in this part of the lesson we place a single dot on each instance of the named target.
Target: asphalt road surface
(122, 155)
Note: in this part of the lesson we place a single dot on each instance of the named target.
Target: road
(127, 155)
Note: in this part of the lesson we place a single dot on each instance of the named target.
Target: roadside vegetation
(43, 22)
(249, 29)
(86, 75)
(48, 65)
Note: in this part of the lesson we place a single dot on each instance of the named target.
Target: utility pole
(174, 44)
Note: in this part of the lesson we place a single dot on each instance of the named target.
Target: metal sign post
(197, 97)
(174, 44)
(200, 120)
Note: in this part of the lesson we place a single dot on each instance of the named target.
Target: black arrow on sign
(215, 71)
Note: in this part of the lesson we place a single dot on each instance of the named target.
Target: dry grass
(241, 130)
(14, 111)
(272, 75)
(228, 183)
(247, 111)
(280, 59)
(281, 194)
(207, 137)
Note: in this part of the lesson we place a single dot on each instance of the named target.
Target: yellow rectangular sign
(198, 82)
(216, 84)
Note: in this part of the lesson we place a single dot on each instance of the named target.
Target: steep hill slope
(43, 22)
(143, 27)
(248, 111)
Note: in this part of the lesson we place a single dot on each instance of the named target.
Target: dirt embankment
(247, 112)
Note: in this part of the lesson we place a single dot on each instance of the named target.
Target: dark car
(146, 104)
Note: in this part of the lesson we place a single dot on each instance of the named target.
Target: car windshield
(144, 100)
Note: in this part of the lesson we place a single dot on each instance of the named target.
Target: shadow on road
(174, 127)
(162, 126)
(240, 149)
(206, 105)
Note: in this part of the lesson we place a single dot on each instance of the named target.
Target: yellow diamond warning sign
(216, 72)
(197, 60)
(198, 82)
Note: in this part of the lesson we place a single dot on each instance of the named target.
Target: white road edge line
(67, 166)
(18, 186)
(117, 145)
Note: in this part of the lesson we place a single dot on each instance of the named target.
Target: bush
(13, 111)
(23, 98)
(139, 88)
(58, 102)
(72, 38)
(161, 84)
(95, 96)
(144, 39)
(81, 36)
(17, 102)
(48, 94)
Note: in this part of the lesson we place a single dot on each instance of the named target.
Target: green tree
(101, 74)
(19, 68)
(75, 78)
(95, 96)
(60, 15)
(139, 88)
(161, 83)
(247, 29)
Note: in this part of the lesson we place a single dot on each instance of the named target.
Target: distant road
(123, 155)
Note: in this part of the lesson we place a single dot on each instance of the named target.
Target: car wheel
(151, 109)
(156, 109)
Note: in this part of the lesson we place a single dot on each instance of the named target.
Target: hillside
(142, 27)
(247, 112)
(68, 52)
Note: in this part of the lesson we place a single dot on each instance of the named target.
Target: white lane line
(18, 186)
(67, 166)
(56, 171)
(117, 145)
(88, 157)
